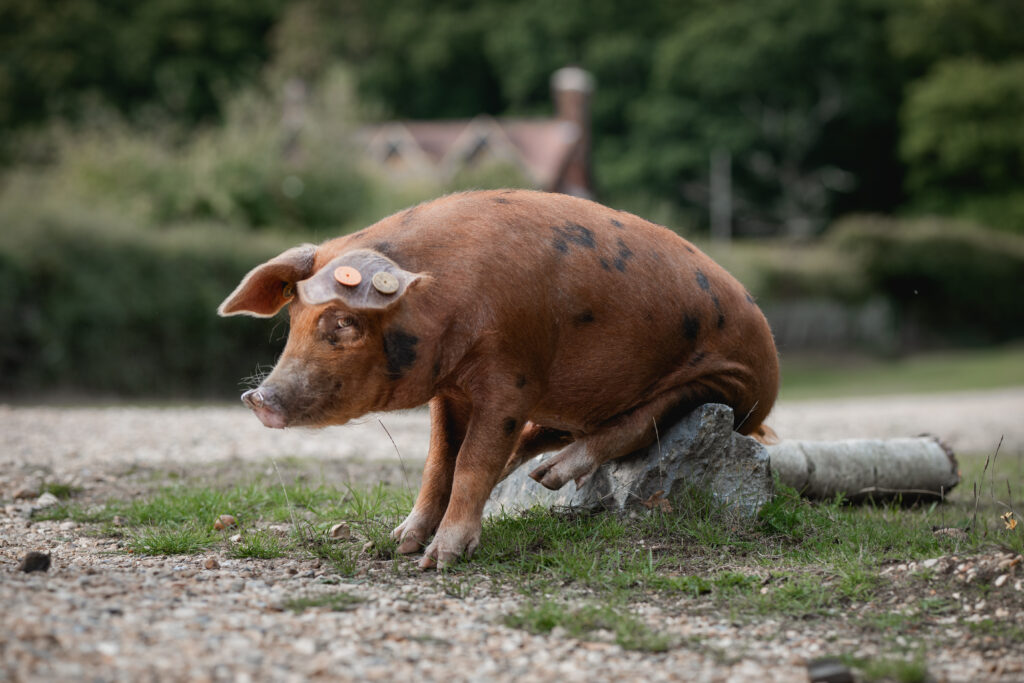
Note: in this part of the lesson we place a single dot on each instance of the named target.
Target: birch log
(921, 468)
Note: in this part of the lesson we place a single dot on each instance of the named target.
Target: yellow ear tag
(384, 282)
(347, 276)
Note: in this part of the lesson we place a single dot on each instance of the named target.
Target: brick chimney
(571, 88)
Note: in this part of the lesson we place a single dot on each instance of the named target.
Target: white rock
(47, 500)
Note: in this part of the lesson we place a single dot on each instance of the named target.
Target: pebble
(340, 532)
(211, 563)
(47, 500)
(230, 626)
(224, 522)
(35, 561)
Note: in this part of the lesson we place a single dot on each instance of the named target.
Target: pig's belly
(596, 384)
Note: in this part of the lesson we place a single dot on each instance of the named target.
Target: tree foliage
(823, 107)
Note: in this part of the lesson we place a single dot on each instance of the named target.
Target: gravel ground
(101, 614)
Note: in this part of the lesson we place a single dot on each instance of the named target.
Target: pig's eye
(339, 329)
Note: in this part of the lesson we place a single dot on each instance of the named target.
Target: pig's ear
(363, 280)
(267, 288)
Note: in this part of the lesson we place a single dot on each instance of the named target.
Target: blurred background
(858, 164)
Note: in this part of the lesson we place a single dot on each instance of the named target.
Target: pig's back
(606, 306)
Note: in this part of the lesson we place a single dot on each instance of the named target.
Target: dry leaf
(1008, 520)
(657, 501)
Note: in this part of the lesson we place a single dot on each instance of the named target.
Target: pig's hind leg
(535, 439)
(620, 436)
(448, 421)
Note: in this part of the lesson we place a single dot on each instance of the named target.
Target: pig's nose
(253, 398)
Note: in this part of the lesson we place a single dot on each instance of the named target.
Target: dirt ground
(102, 614)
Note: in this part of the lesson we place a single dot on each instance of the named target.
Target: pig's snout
(262, 402)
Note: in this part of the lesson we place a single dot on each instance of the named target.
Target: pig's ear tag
(384, 282)
(288, 290)
(348, 276)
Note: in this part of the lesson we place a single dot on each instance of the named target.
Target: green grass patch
(260, 545)
(583, 622)
(795, 559)
(185, 540)
(900, 669)
(335, 602)
(808, 378)
(60, 490)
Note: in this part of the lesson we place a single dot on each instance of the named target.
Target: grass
(261, 545)
(335, 602)
(806, 378)
(582, 622)
(586, 575)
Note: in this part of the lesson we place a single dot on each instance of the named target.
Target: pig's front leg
(491, 435)
(449, 417)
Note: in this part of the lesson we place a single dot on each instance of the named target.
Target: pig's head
(341, 356)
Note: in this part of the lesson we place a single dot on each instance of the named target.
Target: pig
(528, 321)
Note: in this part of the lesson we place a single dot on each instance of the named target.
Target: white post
(721, 195)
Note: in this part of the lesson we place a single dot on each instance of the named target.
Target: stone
(25, 492)
(829, 670)
(700, 450)
(224, 522)
(340, 532)
(47, 500)
(35, 561)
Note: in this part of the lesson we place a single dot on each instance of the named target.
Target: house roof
(541, 148)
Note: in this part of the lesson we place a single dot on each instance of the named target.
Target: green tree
(964, 141)
(962, 138)
(174, 58)
(799, 94)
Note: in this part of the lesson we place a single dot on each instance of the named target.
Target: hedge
(89, 304)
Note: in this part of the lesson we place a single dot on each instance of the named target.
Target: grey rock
(700, 450)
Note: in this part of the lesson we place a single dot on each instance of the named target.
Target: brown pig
(528, 321)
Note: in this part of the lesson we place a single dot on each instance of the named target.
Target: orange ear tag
(347, 276)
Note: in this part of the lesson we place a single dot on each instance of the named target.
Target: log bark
(913, 469)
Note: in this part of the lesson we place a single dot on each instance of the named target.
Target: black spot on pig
(750, 299)
(400, 350)
(604, 265)
(702, 280)
(624, 255)
(501, 200)
(584, 318)
(572, 233)
(691, 328)
(520, 381)
(696, 359)
(616, 223)
(509, 425)
(408, 216)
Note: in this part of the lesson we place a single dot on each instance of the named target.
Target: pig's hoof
(449, 545)
(412, 534)
(572, 463)
(435, 557)
(545, 476)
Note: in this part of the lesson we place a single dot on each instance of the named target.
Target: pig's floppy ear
(267, 288)
(363, 279)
